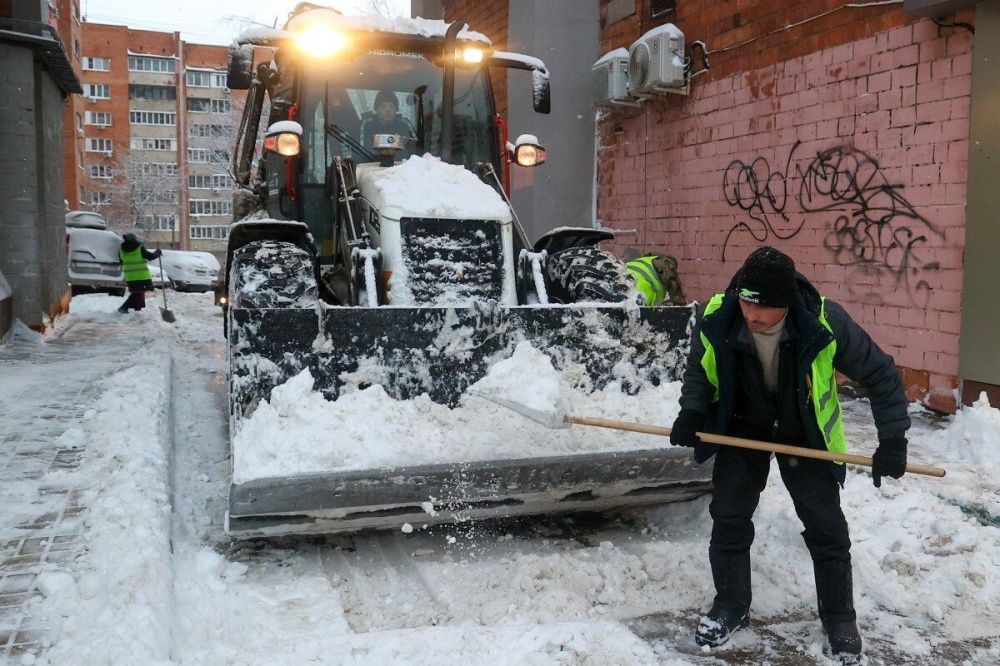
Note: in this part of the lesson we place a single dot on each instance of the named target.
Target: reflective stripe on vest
(134, 265)
(647, 281)
(822, 382)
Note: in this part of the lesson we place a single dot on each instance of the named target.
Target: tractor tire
(272, 274)
(587, 274)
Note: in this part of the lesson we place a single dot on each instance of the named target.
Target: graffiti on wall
(874, 231)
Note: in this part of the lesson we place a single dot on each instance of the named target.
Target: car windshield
(392, 92)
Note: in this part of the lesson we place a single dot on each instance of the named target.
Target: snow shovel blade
(168, 315)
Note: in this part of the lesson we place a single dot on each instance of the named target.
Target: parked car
(92, 262)
(160, 279)
(190, 270)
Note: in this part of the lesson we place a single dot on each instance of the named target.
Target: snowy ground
(113, 476)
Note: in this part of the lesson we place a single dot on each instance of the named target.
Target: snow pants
(739, 477)
(136, 300)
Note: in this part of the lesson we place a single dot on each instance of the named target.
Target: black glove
(889, 459)
(687, 423)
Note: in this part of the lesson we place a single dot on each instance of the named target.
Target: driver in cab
(386, 120)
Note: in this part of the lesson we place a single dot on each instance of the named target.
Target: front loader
(398, 258)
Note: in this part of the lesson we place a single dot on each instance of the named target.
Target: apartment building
(158, 124)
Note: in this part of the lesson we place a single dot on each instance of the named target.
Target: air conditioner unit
(656, 62)
(609, 80)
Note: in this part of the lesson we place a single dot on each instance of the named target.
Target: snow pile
(121, 591)
(424, 186)
(298, 431)
(528, 383)
(612, 55)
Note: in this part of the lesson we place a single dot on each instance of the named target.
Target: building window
(158, 169)
(197, 207)
(159, 222)
(658, 8)
(217, 181)
(97, 118)
(100, 198)
(206, 105)
(99, 171)
(143, 143)
(152, 118)
(197, 79)
(209, 232)
(99, 146)
(148, 64)
(79, 123)
(217, 131)
(155, 93)
(76, 49)
(163, 197)
(97, 90)
(76, 12)
(204, 156)
(92, 64)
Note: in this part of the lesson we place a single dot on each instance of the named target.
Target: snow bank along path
(298, 431)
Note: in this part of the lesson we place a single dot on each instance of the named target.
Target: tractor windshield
(343, 104)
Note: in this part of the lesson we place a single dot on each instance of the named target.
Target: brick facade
(842, 141)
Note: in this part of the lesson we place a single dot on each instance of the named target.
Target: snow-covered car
(191, 270)
(92, 262)
(161, 279)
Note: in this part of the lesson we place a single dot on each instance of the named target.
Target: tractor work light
(284, 143)
(529, 156)
(472, 55)
(284, 137)
(320, 41)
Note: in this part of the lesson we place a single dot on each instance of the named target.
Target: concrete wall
(32, 235)
(980, 363)
(565, 34)
(842, 141)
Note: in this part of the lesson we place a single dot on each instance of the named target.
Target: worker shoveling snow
(298, 431)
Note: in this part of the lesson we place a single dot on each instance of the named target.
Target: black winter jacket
(746, 409)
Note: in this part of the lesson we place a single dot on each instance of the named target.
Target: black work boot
(731, 608)
(835, 594)
(845, 641)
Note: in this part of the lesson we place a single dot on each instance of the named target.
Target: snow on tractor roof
(424, 186)
(403, 26)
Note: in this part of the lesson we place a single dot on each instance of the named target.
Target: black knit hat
(386, 96)
(767, 278)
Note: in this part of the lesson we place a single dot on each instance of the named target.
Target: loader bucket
(441, 352)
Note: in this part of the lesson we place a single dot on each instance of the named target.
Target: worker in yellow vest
(763, 365)
(656, 280)
(137, 276)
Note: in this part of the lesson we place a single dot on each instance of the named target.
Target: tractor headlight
(320, 41)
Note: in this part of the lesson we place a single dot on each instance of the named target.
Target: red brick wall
(68, 25)
(106, 41)
(489, 18)
(842, 141)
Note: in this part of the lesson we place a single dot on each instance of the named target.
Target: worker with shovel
(763, 365)
(138, 279)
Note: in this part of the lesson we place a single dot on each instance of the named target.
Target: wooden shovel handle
(742, 443)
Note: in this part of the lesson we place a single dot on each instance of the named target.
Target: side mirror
(528, 152)
(541, 96)
(240, 72)
(284, 137)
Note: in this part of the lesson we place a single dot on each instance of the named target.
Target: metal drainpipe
(448, 89)
(182, 161)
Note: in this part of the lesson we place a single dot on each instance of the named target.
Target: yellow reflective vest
(821, 382)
